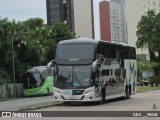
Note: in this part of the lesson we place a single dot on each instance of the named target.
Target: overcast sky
(23, 9)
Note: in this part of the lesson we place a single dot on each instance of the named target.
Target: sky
(21, 10)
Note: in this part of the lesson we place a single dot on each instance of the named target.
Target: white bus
(91, 70)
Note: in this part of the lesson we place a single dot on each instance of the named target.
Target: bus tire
(48, 93)
(127, 93)
(103, 95)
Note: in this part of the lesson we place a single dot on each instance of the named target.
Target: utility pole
(13, 62)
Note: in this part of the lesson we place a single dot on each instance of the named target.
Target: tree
(61, 32)
(34, 45)
(6, 33)
(145, 66)
(33, 23)
(149, 35)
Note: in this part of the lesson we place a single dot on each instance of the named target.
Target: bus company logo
(6, 114)
(74, 59)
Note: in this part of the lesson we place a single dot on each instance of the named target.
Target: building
(118, 21)
(134, 11)
(60, 11)
(83, 22)
(90, 18)
(104, 19)
(77, 14)
(101, 19)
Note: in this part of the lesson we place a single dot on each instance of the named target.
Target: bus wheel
(102, 97)
(48, 93)
(127, 93)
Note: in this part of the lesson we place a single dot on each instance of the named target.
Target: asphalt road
(147, 101)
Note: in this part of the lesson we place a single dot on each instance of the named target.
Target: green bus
(36, 81)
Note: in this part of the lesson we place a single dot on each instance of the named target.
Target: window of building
(154, 4)
(64, 1)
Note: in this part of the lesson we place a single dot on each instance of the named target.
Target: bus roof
(77, 41)
(91, 41)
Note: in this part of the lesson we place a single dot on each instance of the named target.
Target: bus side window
(109, 51)
(126, 53)
(122, 52)
(117, 52)
(132, 53)
(101, 49)
(112, 51)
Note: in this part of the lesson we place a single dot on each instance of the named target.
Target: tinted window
(127, 52)
(80, 52)
(132, 53)
(31, 80)
(107, 50)
(123, 52)
(116, 51)
(73, 77)
(105, 72)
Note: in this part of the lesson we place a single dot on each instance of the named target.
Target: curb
(6, 99)
(40, 106)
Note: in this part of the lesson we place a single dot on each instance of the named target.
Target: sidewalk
(27, 103)
(40, 106)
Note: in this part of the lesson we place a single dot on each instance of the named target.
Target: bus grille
(77, 92)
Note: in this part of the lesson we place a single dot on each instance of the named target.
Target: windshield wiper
(79, 81)
(69, 75)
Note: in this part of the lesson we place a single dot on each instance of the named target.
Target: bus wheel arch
(130, 89)
(103, 95)
(48, 92)
(127, 92)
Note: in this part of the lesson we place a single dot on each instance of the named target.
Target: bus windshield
(70, 77)
(75, 52)
(31, 80)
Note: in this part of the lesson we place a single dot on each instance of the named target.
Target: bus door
(108, 78)
(117, 76)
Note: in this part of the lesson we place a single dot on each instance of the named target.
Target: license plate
(67, 92)
(72, 97)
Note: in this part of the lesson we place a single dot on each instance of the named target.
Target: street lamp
(13, 61)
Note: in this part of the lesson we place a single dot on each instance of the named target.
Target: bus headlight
(88, 92)
(58, 92)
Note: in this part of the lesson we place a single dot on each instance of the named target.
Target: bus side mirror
(94, 66)
(100, 58)
(49, 66)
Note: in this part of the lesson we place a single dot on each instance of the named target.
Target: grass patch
(147, 88)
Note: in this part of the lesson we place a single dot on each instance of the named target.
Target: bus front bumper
(66, 96)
